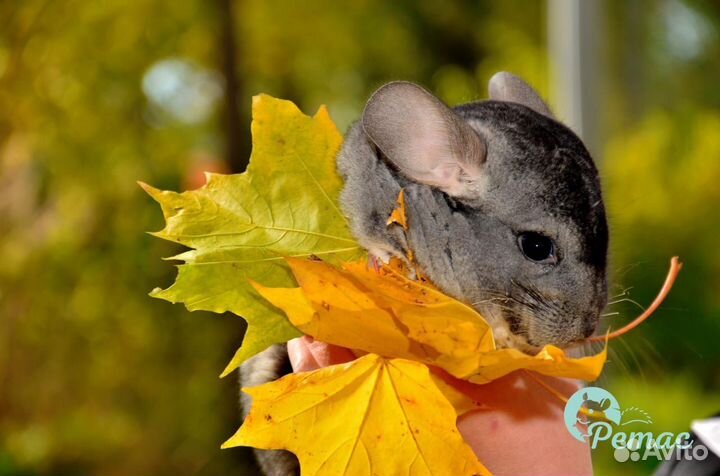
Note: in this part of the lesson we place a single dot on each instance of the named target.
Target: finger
(328, 354)
(308, 354)
(301, 358)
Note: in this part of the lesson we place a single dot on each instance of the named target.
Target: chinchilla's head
(503, 202)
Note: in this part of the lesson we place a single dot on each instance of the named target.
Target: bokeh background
(98, 378)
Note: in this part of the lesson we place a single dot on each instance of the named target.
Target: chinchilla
(504, 213)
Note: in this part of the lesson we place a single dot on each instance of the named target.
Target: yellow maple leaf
(372, 416)
(551, 360)
(384, 314)
(391, 315)
(399, 215)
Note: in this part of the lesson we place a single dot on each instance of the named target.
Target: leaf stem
(675, 267)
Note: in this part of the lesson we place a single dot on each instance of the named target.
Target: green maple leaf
(239, 227)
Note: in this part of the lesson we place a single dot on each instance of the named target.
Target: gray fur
(265, 367)
(536, 175)
(475, 177)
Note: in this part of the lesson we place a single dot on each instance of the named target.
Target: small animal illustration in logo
(588, 405)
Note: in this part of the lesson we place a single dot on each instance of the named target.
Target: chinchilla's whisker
(626, 269)
(625, 292)
(536, 303)
(632, 301)
(608, 314)
(494, 299)
(631, 352)
(580, 350)
(500, 306)
(493, 312)
(550, 306)
(597, 346)
(498, 296)
(491, 299)
(592, 348)
(494, 293)
(616, 357)
(650, 356)
(649, 348)
(607, 319)
(491, 302)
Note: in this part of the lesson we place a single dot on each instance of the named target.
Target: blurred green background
(98, 378)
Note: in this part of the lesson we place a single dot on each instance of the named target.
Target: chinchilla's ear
(508, 87)
(425, 139)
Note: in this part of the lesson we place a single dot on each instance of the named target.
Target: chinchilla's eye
(537, 247)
